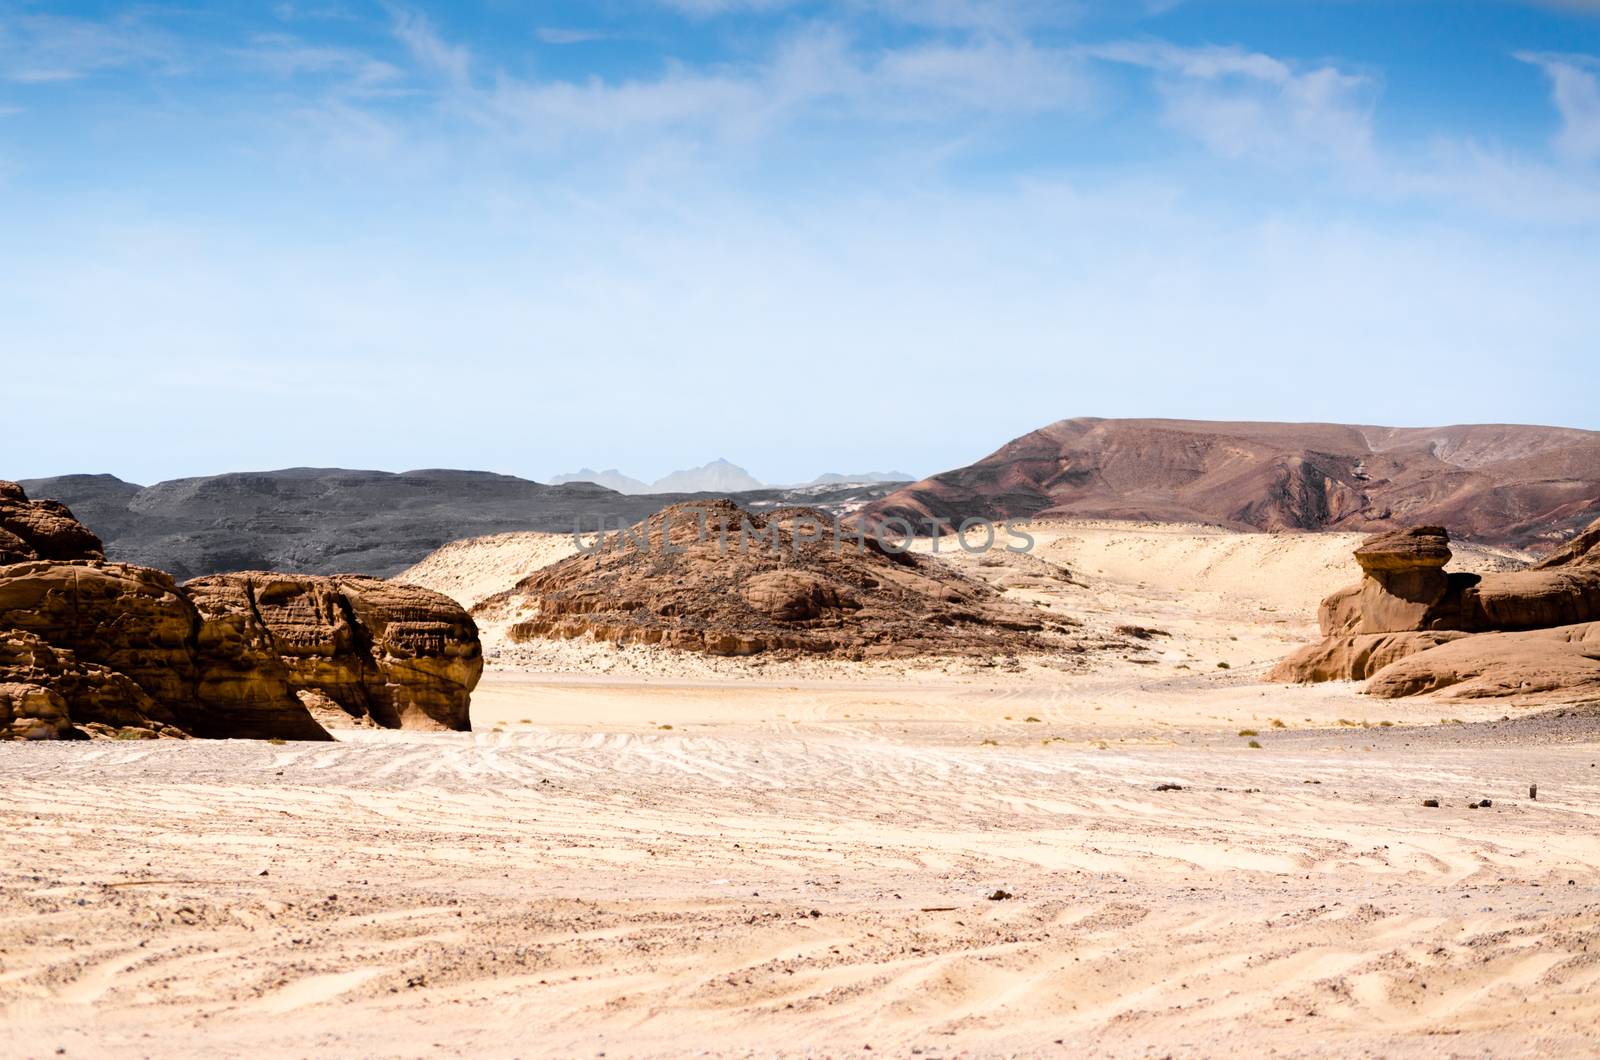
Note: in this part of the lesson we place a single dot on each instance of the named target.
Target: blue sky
(805, 236)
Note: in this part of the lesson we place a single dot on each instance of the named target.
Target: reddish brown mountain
(1504, 484)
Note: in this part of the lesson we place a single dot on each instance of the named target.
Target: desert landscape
(799, 529)
(1130, 835)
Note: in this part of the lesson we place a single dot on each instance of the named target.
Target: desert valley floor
(645, 853)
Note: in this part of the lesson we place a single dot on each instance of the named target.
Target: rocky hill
(329, 521)
(1500, 484)
(717, 579)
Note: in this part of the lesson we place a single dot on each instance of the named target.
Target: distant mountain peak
(718, 476)
(611, 479)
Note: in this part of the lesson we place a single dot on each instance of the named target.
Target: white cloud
(815, 71)
(988, 16)
(1575, 91)
(452, 62)
(1243, 103)
(37, 49)
(287, 57)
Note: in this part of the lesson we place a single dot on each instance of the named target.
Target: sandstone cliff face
(395, 655)
(1413, 628)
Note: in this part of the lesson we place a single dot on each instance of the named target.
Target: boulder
(396, 655)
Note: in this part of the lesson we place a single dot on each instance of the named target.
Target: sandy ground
(638, 856)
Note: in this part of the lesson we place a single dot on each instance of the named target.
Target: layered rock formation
(126, 651)
(1414, 628)
(714, 578)
(1502, 484)
(89, 647)
(394, 655)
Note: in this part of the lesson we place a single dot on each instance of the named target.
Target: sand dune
(469, 570)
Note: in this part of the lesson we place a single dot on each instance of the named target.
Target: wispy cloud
(1240, 103)
(37, 49)
(993, 16)
(1575, 91)
(284, 56)
(435, 55)
(817, 71)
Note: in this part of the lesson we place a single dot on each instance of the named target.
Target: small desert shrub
(1254, 743)
(1347, 723)
(989, 743)
(1223, 666)
(1385, 724)
(663, 726)
(1030, 717)
(1248, 732)
(277, 741)
(1277, 723)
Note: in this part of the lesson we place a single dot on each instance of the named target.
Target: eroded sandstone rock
(131, 654)
(56, 695)
(95, 648)
(1413, 629)
(399, 655)
(1561, 663)
(1354, 658)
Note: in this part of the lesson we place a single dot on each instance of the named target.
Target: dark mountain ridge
(332, 520)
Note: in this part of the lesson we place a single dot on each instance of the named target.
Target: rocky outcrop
(1413, 628)
(122, 647)
(89, 647)
(41, 530)
(1402, 588)
(717, 579)
(50, 693)
(390, 654)
(1354, 658)
(1559, 663)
